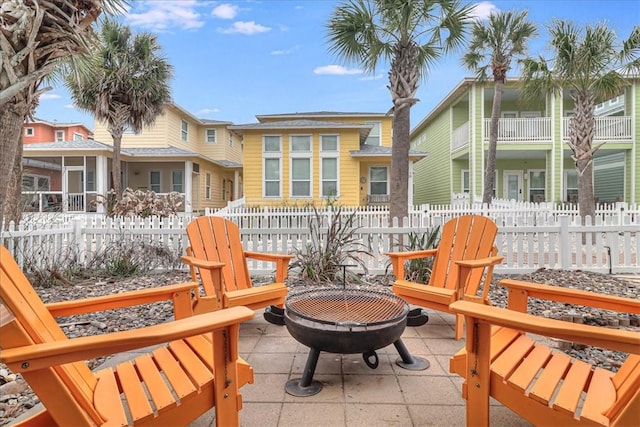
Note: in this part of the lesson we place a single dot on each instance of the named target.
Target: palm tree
(412, 36)
(125, 83)
(584, 64)
(35, 37)
(492, 48)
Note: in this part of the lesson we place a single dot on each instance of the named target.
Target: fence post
(564, 243)
(80, 243)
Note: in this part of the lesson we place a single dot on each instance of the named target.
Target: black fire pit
(346, 321)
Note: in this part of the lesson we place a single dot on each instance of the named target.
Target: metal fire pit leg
(305, 386)
(407, 361)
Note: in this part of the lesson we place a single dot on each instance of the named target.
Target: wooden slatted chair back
(67, 390)
(467, 237)
(214, 238)
(627, 384)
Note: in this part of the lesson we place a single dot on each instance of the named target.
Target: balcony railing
(538, 130)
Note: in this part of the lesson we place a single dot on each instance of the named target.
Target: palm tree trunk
(12, 116)
(13, 201)
(490, 167)
(116, 168)
(398, 207)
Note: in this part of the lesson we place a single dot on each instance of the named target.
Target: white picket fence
(551, 238)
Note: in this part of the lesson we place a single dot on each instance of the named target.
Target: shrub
(334, 243)
(141, 203)
(419, 270)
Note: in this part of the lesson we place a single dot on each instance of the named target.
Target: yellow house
(308, 158)
(200, 158)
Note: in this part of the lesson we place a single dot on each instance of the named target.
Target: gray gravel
(16, 397)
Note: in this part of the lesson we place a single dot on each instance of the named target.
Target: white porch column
(410, 189)
(102, 178)
(236, 185)
(188, 186)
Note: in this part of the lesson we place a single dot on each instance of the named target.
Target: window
(29, 131)
(154, 181)
(210, 136)
(91, 181)
(207, 186)
(224, 189)
(230, 139)
(571, 185)
(374, 135)
(329, 156)
(537, 184)
(378, 181)
(177, 181)
(184, 131)
(59, 135)
(35, 183)
(465, 181)
(272, 153)
(301, 166)
(78, 136)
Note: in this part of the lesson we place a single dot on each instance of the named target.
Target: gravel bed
(16, 396)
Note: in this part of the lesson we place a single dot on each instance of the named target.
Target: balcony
(538, 130)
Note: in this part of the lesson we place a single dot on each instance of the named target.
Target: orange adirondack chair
(196, 368)
(216, 255)
(542, 385)
(465, 253)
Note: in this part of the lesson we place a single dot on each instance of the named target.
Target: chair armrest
(281, 260)
(398, 259)
(39, 356)
(201, 263)
(520, 291)
(480, 263)
(124, 299)
(471, 272)
(613, 339)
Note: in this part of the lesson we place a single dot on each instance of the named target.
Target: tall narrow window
(211, 136)
(154, 181)
(224, 189)
(59, 135)
(184, 130)
(272, 154)
(465, 181)
(571, 185)
(230, 139)
(378, 180)
(177, 181)
(207, 186)
(301, 169)
(329, 156)
(374, 137)
(537, 184)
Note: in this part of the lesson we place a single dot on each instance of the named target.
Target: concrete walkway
(353, 394)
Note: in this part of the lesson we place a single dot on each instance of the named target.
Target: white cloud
(336, 70)
(285, 51)
(225, 11)
(48, 95)
(483, 9)
(70, 107)
(372, 77)
(206, 111)
(245, 27)
(165, 15)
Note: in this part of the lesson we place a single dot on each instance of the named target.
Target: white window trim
(271, 155)
(215, 136)
(566, 186)
(159, 183)
(375, 122)
(29, 131)
(230, 139)
(207, 185)
(301, 155)
(76, 135)
(371, 181)
(59, 135)
(330, 154)
(181, 171)
(462, 173)
(184, 133)
(528, 179)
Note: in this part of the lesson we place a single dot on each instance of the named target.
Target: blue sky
(234, 60)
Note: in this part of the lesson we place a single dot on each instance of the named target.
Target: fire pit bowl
(346, 321)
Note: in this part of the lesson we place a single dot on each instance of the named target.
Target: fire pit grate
(340, 306)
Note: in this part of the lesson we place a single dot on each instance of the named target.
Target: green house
(533, 159)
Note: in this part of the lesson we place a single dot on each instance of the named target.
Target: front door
(74, 189)
(513, 185)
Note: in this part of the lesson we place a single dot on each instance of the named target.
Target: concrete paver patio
(353, 394)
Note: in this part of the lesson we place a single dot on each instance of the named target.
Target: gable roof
(315, 114)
